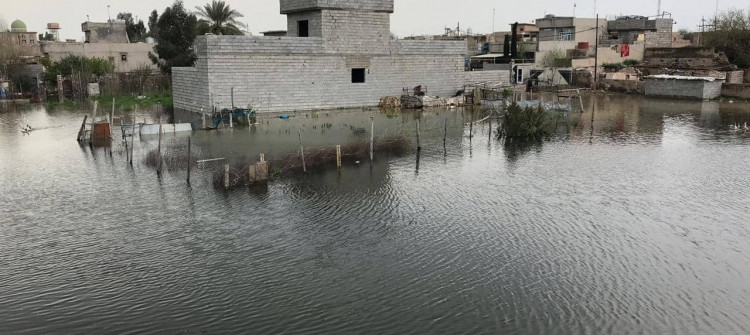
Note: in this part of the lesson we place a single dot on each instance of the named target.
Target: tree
(77, 65)
(553, 59)
(732, 37)
(152, 20)
(46, 37)
(218, 19)
(175, 34)
(136, 31)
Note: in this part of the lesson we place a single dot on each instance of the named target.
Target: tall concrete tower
(346, 26)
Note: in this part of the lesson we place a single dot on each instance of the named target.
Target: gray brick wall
(689, 89)
(275, 74)
(291, 6)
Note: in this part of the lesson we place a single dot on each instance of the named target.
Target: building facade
(656, 33)
(20, 35)
(336, 54)
(107, 40)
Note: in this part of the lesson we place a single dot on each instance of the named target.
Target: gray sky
(411, 17)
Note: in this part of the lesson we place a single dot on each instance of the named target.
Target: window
(565, 34)
(358, 76)
(303, 28)
(124, 57)
(112, 60)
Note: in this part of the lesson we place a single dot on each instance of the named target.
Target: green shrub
(631, 63)
(525, 123)
(613, 66)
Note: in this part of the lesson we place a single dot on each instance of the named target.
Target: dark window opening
(358, 76)
(124, 57)
(303, 28)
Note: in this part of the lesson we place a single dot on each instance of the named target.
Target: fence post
(226, 176)
(158, 165)
(302, 151)
(372, 138)
(419, 146)
(338, 157)
(190, 139)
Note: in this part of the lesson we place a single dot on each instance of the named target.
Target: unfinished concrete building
(336, 54)
(655, 33)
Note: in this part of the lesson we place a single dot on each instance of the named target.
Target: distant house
(20, 35)
(106, 40)
(654, 33)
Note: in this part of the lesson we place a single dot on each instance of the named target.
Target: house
(654, 33)
(337, 54)
(106, 40)
(20, 35)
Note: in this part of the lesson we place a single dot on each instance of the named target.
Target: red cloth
(625, 50)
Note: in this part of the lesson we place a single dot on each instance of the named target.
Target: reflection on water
(631, 219)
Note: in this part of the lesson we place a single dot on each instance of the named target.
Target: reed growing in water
(525, 123)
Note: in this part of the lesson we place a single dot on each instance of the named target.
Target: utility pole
(596, 55)
(493, 20)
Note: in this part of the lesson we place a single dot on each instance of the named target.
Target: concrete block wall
(735, 77)
(741, 91)
(259, 44)
(277, 83)
(291, 6)
(359, 32)
(689, 89)
(314, 19)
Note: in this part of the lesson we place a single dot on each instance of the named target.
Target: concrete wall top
(291, 6)
(214, 44)
(689, 52)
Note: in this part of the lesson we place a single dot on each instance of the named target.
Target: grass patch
(69, 104)
(127, 102)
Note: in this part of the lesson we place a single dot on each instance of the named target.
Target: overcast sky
(412, 17)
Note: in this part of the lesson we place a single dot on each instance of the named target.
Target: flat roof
(666, 76)
(489, 56)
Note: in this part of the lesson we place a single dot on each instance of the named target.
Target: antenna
(574, 9)
(493, 20)
(658, 8)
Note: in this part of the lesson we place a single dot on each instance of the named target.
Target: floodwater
(633, 219)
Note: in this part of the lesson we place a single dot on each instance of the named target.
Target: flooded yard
(632, 218)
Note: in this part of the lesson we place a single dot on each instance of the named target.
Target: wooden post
(127, 148)
(112, 118)
(204, 118)
(261, 169)
(132, 138)
(419, 145)
(471, 126)
(372, 138)
(190, 160)
(231, 113)
(445, 133)
(338, 157)
(490, 127)
(93, 123)
(82, 132)
(226, 176)
(302, 151)
(158, 165)
(580, 99)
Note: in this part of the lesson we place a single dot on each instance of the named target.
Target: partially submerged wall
(275, 74)
(741, 91)
(688, 89)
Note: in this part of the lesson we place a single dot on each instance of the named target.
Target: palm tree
(218, 19)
